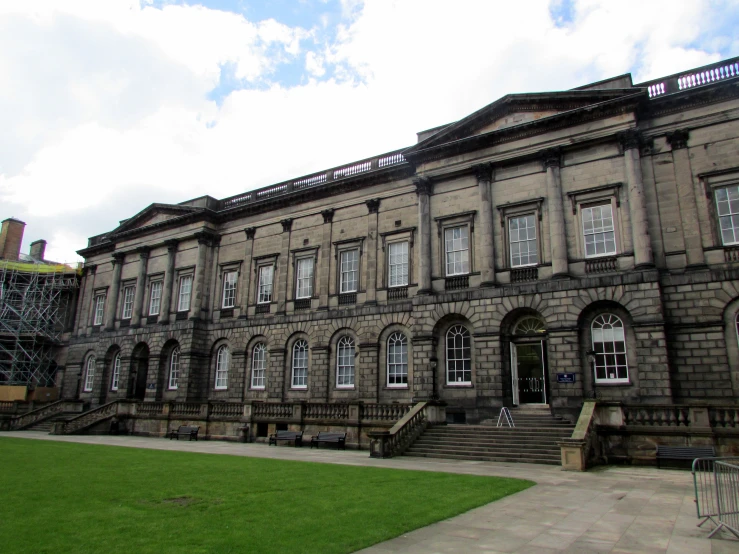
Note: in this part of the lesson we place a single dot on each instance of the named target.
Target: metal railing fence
(716, 483)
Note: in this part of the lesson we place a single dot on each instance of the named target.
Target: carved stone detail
(250, 232)
(424, 185)
(287, 224)
(678, 139)
(328, 215)
(373, 205)
(552, 157)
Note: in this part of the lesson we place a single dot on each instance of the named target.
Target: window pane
(458, 361)
(258, 366)
(222, 365)
(304, 284)
(345, 363)
(727, 204)
(349, 271)
(456, 240)
(300, 364)
(155, 298)
(265, 284)
(609, 343)
(598, 230)
(398, 264)
(174, 368)
(183, 304)
(522, 240)
(127, 310)
(229, 289)
(116, 372)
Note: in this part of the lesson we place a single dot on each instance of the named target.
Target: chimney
(38, 250)
(11, 236)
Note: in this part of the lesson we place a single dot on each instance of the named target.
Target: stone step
(488, 443)
(475, 448)
(511, 459)
(502, 434)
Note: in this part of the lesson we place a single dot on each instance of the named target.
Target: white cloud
(104, 105)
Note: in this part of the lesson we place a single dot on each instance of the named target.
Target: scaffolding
(35, 299)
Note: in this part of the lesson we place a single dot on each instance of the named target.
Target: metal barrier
(716, 482)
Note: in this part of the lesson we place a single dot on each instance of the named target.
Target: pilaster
(643, 257)
(138, 299)
(373, 207)
(280, 286)
(325, 266)
(246, 270)
(486, 256)
(424, 189)
(166, 306)
(558, 240)
(112, 308)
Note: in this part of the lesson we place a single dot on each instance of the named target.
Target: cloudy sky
(109, 105)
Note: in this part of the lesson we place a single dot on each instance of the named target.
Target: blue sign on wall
(565, 377)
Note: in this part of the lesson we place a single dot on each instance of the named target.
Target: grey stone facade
(647, 160)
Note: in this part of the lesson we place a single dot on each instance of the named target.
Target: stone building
(548, 248)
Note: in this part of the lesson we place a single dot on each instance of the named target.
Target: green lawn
(64, 497)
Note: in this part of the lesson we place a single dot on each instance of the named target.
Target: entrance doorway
(528, 362)
(139, 369)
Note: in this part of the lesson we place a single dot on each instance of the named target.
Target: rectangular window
(183, 300)
(229, 289)
(598, 230)
(300, 365)
(99, 309)
(266, 274)
(304, 284)
(127, 309)
(349, 271)
(523, 243)
(457, 248)
(155, 298)
(89, 374)
(397, 262)
(727, 203)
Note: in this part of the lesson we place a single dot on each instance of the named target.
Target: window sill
(171, 388)
(302, 387)
(86, 390)
(179, 316)
(396, 387)
(256, 388)
(344, 387)
(220, 388)
(613, 383)
(460, 385)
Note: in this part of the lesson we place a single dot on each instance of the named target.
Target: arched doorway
(139, 369)
(528, 361)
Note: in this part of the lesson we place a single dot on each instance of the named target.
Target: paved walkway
(615, 509)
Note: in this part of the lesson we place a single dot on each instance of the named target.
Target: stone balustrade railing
(326, 411)
(383, 412)
(271, 410)
(45, 412)
(318, 179)
(705, 75)
(89, 418)
(226, 409)
(186, 409)
(667, 416)
(385, 444)
(149, 408)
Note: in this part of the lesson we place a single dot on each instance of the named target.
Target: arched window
(258, 364)
(222, 362)
(345, 363)
(397, 360)
(90, 374)
(609, 344)
(116, 378)
(174, 368)
(458, 356)
(736, 321)
(300, 365)
(530, 325)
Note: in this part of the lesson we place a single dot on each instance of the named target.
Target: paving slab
(625, 510)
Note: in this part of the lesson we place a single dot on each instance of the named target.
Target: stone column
(484, 173)
(87, 300)
(373, 206)
(118, 259)
(246, 271)
(424, 190)
(280, 288)
(138, 299)
(166, 305)
(637, 203)
(324, 274)
(557, 237)
(686, 194)
(199, 285)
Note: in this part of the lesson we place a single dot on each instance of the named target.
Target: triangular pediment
(516, 110)
(152, 215)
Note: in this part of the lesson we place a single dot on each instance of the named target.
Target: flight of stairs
(45, 425)
(533, 439)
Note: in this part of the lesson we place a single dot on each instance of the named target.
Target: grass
(65, 497)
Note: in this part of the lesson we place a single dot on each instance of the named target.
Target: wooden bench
(189, 431)
(339, 439)
(296, 436)
(684, 453)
